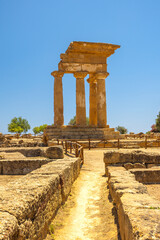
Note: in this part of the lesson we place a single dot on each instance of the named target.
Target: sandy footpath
(88, 213)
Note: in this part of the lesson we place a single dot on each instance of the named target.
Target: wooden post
(70, 147)
(89, 143)
(58, 141)
(66, 147)
(62, 144)
(76, 150)
(145, 142)
(104, 143)
(82, 155)
(118, 144)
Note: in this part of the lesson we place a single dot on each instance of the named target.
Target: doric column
(80, 98)
(58, 98)
(92, 101)
(101, 99)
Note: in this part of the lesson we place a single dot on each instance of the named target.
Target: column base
(80, 133)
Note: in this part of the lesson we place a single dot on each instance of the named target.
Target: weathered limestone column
(80, 98)
(101, 99)
(58, 98)
(92, 101)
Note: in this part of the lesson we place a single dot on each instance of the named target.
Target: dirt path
(88, 213)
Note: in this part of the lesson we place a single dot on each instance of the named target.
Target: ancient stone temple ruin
(83, 59)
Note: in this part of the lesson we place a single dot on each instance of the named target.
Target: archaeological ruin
(82, 181)
(82, 59)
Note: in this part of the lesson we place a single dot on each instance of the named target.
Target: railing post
(82, 155)
(89, 144)
(66, 147)
(62, 144)
(104, 143)
(76, 150)
(145, 142)
(70, 147)
(58, 141)
(118, 144)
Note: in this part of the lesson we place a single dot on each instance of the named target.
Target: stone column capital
(80, 74)
(92, 78)
(101, 75)
(57, 74)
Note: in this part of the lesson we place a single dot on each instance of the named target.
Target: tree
(36, 130)
(154, 128)
(121, 129)
(42, 128)
(39, 129)
(73, 121)
(158, 122)
(18, 125)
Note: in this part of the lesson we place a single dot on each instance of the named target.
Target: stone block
(138, 212)
(131, 156)
(33, 200)
(82, 58)
(8, 226)
(55, 152)
(151, 175)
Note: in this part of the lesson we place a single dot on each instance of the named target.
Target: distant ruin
(82, 59)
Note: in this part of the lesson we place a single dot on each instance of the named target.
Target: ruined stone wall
(21, 167)
(146, 176)
(132, 158)
(28, 205)
(20, 161)
(138, 213)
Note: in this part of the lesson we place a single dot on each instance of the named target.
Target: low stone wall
(28, 205)
(20, 161)
(21, 167)
(151, 175)
(35, 151)
(131, 158)
(138, 212)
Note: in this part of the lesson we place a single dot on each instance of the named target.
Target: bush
(121, 129)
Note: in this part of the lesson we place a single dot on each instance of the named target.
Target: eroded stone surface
(131, 156)
(33, 200)
(138, 212)
(151, 175)
(55, 152)
(8, 226)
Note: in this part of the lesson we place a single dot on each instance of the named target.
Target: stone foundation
(138, 212)
(28, 205)
(74, 132)
(20, 161)
(151, 175)
(21, 167)
(132, 158)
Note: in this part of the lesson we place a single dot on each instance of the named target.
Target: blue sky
(33, 34)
